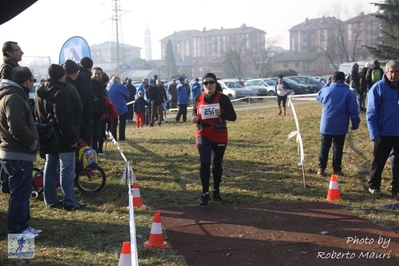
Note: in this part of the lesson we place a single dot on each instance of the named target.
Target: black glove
(377, 141)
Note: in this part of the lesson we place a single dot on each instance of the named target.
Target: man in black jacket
(98, 106)
(132, 94)
(12, 54)
(84, 86)
(52, 102)
(156, 99)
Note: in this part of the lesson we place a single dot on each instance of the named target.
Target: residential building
(326, 36)
(212, 43)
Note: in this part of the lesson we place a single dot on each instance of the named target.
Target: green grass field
(260, 166)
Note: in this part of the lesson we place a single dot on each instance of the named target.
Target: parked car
(313, 83)
(234, 90)
(296, 88)
(267, 83)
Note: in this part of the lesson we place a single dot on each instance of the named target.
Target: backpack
(375, 75)
(88, 158)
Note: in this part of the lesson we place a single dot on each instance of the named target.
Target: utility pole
(118, 58)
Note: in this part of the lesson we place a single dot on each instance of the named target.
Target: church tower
(147, 45)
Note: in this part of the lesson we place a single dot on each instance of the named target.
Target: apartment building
(322, 39)
(212, 43)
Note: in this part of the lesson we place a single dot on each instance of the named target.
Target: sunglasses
(206, 83)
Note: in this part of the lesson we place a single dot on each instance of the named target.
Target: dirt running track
(313, 233)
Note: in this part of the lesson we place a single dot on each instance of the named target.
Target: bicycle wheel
(90, 180)
(37, 180)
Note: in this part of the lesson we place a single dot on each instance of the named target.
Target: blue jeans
(20, 182)
(338, 146)
(64, 162)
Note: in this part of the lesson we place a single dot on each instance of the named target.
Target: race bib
(208, 111)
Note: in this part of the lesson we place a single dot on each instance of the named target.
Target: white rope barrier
(128, 177)
(297, 133)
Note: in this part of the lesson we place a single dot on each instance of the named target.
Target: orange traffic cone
(333, 190)
(137, 202)
(124, 259)
(156, 236)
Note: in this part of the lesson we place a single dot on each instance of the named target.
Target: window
(296, 64)
(285, 65)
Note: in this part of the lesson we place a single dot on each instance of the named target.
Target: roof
(108, 44)
(316, 23)
(212, 32)
(304, 56)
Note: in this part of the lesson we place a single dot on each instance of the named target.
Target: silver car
(234, 90)
(269, 84)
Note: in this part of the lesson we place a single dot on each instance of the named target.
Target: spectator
(374, 74)
(382, 114)
(84, 86)
(162, 93)
(156, 97)
(139, 109)
(195, 88)
(118, 94)
(142, 88)
(52, 102)
(182, 99)
(72, 71)
(132, 94)
(338, 107)
(354, 82)
(19, 145)
(98, 107)
(210, 112)
(172, 90)
(110, 112)
(240, 82)
(12, 54)
(281, 90)
(362, 89)
(187, 85)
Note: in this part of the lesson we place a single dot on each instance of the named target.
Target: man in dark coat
(132, 94)
(12, 54)
(52, 102)
(19, 145)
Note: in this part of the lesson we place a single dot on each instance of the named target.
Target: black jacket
(98, 98)
(85, 89)
(52, 97)
(7, 67)
(140, 104)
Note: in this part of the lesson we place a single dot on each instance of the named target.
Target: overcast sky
(42, 29)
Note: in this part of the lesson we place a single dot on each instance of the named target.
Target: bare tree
(343, 40)
(260, 57)
(233, 52)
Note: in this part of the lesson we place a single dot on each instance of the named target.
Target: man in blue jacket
(118, 94)
(182, 100)
(195, 89)
(382, 122)
(339, 106)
